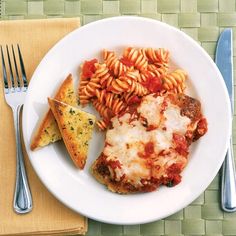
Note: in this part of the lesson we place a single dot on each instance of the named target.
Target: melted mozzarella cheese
(166, 161)
(125, 142)
(127, 139)
(175, 122)
(162, 139)
(150, 109)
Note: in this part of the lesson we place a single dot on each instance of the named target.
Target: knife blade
(224, 61)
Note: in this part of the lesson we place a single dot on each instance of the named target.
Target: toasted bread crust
(113, 186)
(48, 131)
(76, 128)
(66, 92)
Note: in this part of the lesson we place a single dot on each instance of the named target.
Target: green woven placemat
(202, 20)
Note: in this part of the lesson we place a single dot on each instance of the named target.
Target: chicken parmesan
(147, 145)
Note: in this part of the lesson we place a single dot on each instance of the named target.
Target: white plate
(78, 189)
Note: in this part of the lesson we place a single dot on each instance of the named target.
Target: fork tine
(22, 67)
(10, 69)
(6, 86)
(16, 67)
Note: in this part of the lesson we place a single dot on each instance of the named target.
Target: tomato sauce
(151, 127)
(114, 164)
(134, 100)
(201, 129)
(126, 61)
(153, 84)
(181, 145)
(148, 150)
(174, 176)
(89, 68)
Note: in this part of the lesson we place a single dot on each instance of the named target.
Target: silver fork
(15, 88)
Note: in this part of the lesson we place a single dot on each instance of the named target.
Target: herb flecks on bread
(76, 127)
(48, 131)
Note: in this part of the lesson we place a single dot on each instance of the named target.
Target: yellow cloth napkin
(48, 216)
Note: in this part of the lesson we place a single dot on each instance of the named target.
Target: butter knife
(224, 61)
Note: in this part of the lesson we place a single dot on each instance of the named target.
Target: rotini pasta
(118, 82)
(136, 88)
(129, 97)
(85, 76)
(102, 124)
(113, 63)
(103, 110)
(119, 85)
(134, 75)
(89, 90)
(175, 81)
(136, 57)
(111, 101)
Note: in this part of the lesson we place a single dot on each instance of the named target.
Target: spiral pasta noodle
(175, 81)
(104, 111)
(116, 83)
(136, 88)
(136, 57)
(102, 124)
(134, 75)
(119, 86)
(83, 82)
(114, 63)
(89, 90)
(111, 101)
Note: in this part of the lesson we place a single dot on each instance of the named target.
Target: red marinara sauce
(134, 100)
(126, 61)
(181, 145)
(89, 68)
(201, 129)
(148, 150)
(153, 84)
(174, 176)
(114, 164)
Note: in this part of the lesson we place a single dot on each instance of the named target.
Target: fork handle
(22, 196)
(228, 182)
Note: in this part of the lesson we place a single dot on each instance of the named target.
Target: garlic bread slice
(76, 127)
(48, 131)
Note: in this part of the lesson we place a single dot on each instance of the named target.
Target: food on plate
(115, 83)
(76, 127)
(48, 131)
(147, 145)
(149, 121)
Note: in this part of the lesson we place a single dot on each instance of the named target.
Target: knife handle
(228, 182)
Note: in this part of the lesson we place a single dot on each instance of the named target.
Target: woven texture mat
(202, 20)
